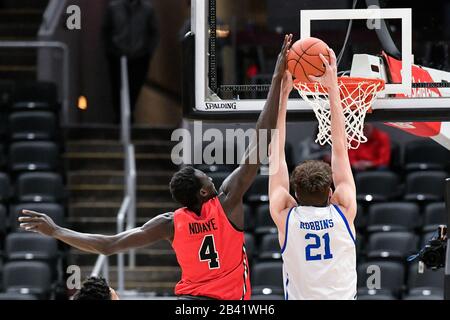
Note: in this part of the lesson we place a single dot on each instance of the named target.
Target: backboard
(234, 45)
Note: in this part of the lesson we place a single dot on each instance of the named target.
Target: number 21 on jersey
(208, 252)
(316, 245)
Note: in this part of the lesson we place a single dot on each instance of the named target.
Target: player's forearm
(268, 118)
(338, 136)
(93, 243)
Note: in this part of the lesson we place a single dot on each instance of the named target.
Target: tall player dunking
(316, 233)
(207, 233)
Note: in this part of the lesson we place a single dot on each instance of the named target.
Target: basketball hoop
(357, 95)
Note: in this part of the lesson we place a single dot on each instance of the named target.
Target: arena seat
(392, 275)
(17, 296)
(5, 187)
(39, 187)
(267, 277)
(34, 95)
(53, 210)
(258, 191)
(391, 245)
(361, 219)
(365, 294)
(32, 125)
(267, 297)
(3, 224)
(377, 186)
(393, 216)
(29, 277)
(435, 215)
(33, 156)
(417, 156)
(31, 246)
(425, 186)
(270, 247)
(264, 222)
(429, 278)
(249, 246)
(425, 294)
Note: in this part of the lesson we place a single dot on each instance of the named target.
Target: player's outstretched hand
(329, 78)
(37, 222)
(281, 65)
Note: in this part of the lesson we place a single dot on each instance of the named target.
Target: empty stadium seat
(361, 219)
(30, 246)
(425, 294)
(435, 215)
(5, 188)
(17, 296)
(392, 275)
(393, 216)
(426, 155)
(267, 297)
(258, 191)
(33, 156)
(377, 186)
(365, 294)
(39, 187)
(267, 277)
(53, 210)
(270, 247)
(249, 245)
(392, 245)
(425, 186)
(3, 224)
(32, 125)
(429, 278)
(28, 277)
(34, 95)
(264, 222)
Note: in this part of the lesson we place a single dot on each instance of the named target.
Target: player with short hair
(316, 231)
(95, 288)
(207, 232)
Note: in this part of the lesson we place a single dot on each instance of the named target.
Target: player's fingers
(29, 219)
(31, 213)
(332, 56)
(314, 78)
(28, 226)
(324, 60)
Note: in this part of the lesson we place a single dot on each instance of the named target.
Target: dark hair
(94, 288)
(184, 187)
(312, 181)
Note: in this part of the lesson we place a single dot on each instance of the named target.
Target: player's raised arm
(345, 190)
(235, 186)
(279, 196)
(158, 228)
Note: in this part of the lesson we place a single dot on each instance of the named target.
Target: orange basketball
(304, 60)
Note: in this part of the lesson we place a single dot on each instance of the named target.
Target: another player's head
(311, 181)
(191, 187)
(95, 288)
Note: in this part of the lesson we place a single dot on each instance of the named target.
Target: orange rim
(350, 83)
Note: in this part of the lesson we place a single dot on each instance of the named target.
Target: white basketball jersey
(319, 255)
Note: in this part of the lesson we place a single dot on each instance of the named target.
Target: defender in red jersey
(207, 233)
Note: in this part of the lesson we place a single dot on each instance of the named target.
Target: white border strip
(369, 14)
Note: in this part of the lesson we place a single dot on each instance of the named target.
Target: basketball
(304, 59)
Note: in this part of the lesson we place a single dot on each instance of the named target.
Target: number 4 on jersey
(208, 252)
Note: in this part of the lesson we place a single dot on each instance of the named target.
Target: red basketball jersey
(211, 254)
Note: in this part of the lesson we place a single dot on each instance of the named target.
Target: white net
(357, 96)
